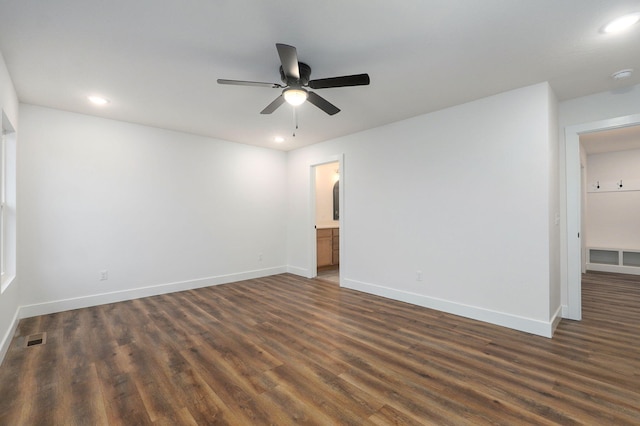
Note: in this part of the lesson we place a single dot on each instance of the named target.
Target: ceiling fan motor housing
(305, 74)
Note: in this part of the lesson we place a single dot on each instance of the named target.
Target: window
(3, 156)
(7, 204)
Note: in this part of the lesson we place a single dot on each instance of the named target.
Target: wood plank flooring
(286, 350)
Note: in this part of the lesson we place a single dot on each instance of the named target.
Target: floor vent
(36, 339)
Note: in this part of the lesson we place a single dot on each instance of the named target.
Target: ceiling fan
(295, 76)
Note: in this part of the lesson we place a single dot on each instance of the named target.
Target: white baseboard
(303, 272)
(528, 325)
(136, 293)
(8, 336)
(620, 269)
(555, 319)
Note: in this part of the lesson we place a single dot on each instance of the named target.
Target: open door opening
(574, 195)
(327, 221)
(611, 200)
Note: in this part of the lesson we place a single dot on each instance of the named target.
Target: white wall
(9, 299)
(464, 198)
(613, 215)
(599, 106)
(160, 210)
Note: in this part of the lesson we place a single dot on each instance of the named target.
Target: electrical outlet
(418, 275)
(104, 275)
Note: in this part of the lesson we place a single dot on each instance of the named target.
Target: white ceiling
(158, 60)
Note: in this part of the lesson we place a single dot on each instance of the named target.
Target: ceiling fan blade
(249, 83)
(289, 60)
(273, 105)
(323, 104)
(344, 81)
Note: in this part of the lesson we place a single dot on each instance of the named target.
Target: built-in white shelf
(623, 261)
(620, 185)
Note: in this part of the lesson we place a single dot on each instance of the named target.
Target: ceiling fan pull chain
(295, 120)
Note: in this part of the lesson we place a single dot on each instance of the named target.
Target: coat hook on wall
(620, 184)
(598, 185)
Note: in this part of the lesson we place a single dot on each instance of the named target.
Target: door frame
(313, 263)
(574, 196)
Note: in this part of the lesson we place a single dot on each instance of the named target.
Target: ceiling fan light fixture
(295, 97)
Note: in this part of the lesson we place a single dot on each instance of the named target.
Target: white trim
(618, 269)
(6, 281)
(298, 271)
(8, 204)
(555, 319)
(3, 193)
(8, 336)
(573, 197)
(119, 296)
(528, 325)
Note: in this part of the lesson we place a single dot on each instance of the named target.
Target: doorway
(574, 196)
(611, 200)
(327, 212)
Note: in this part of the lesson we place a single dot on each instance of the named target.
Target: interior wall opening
(327, 221)
(574, 197)
(611, 200)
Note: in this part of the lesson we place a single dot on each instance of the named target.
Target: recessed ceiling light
(622, 23)
(278, 139)
(98, 100)
(622, 74)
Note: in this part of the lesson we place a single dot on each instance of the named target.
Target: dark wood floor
(287, 350)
